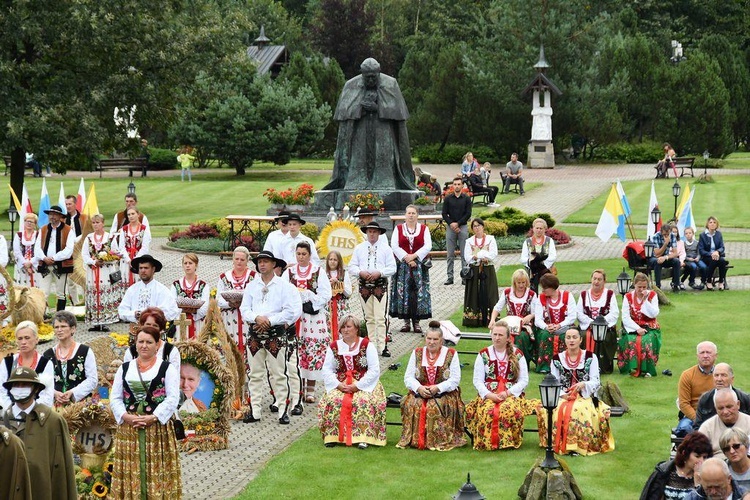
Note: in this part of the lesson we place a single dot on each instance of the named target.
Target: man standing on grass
(456, 213)
(54, 251)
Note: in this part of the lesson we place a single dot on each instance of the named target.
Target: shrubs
(643, 152)
(453, 153)
(196, 231)
(560, 237)
(516, 221)
(494, 228)
(162, 159)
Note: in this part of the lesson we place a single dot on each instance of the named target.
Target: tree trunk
(240, 170)
(17, 169)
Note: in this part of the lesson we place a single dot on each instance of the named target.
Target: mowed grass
(726, 199)
(170, 203)
(309, 470)
(735, 160)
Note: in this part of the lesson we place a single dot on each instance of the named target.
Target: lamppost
(12, 217)
(706, 155)
(131, 188)
(468, 491)
(655, 217)
(599, 331)
(623, 282)
(549, 390)
(649, 248)
(676, 193)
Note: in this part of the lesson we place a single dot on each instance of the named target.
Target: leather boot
(60, 304)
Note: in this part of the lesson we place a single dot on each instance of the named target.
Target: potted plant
(366, 201)
(425, 203)
(293, 199)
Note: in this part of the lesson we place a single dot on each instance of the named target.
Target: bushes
(516, 221)
(494, 228)
(196, 231)
(643, 152)
(453, 153)
(162, 159)
(560, 237)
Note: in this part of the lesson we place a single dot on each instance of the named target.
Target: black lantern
(655, 217)
(599, 328)
(468, 491)
(549, 390)
(706, 155)
(12, 217)
(131, 188)
(649, 248)
(623, 282)
(676, 193)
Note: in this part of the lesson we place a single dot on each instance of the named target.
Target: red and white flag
(651, 229)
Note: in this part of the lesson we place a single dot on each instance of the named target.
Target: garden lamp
(549, 390)
(706, 155)
(12, 217)
(676, 193)
(468, 491)
(649, 248)
(623, 282)
(131, 188)
(655, 218)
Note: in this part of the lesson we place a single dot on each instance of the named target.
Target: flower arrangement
(425, 200)
(300, 195)
(449, 190)
(105, 256)
(94, 482)
(366, 201)
(425, 188)
(120, 338)
(8, 334)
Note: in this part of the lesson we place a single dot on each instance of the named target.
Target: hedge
(453, 153)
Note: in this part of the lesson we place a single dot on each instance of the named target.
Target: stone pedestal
(541, 154)
(393, 201)
(551, 484)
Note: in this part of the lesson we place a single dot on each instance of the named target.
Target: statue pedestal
(393, 201)
(541, 154)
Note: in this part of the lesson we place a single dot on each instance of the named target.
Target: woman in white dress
(191, 287)
(103, 293)
(25, 273)
(134, 241)
(341, 290)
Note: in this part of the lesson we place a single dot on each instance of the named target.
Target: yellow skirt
(498, 425)
(367, 424)
(588, 430)
(442, 427)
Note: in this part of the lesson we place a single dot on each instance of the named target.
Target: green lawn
(735, 160)
(641, 436)
(725, 199)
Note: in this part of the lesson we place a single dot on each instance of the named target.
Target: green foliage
(453, 153)
(517, 221)
(310, 230)
(494, 228)
(162, 159)
(641, 152)
(213, 245)
(513, 242)
(341, 29)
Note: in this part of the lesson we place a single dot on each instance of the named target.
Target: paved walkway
(224, 474)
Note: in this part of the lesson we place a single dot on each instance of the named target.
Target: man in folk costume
(76, 220)
(54, 251)
(599, 301)
(364, 217)
(270, 304)
(554, 313)
(288, 245)
(147, 292)
(45, 436)
(275, 238)
(121, 218)
(15, 483)
(373, 263)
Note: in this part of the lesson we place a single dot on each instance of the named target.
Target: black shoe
(284, 420)
(297, 410)
(675, 288)
(330, 445)
(274, 408)
(385, 353)
(448, 281)
(104, 328)
(249, 419)
(95, 328)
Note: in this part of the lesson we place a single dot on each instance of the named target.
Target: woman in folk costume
(410, 292)
(27, 338)
(134, 240)
(495, 416)
(554, 312)
(517, 300)
(432, 412)
(235, 280)
(538, 253)
(341, 290)
(580, 423)
(191, 287)
(639, 346)
(25, 272)
(312, 327)
(4, 257)
(103, 293)
(145, 395)
(599, 301)
(480, 293)
(352, 411)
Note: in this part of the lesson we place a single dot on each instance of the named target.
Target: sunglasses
(735, 447)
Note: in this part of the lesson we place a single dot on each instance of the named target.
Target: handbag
(179, 428)
(427, 263)
(467, 273)
(115, 277)
(307, 308)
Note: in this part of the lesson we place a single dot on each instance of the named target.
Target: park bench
(130, 164)
(7, 165)
(683, 163)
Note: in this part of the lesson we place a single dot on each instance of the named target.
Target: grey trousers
(451, 239)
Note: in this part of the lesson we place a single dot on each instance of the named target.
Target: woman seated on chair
(711, 249)
(432, 412)
(639, 346)
(518, 300)
(495, 417)
(580, 423)
(554, 312)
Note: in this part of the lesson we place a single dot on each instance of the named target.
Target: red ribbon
(590, 345)
(345, 421)
(98, 291)
(555, 344)
(191, 328)
(638, 355)
(335, 319)
(495, 434)
(563, 420)
(422, 425)
(240, 334)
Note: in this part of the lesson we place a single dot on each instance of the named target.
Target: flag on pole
(44, 204)
(613, 217)
(26, 207)
(685, 217)
(81, 198)
(91, 207)
(623, 199)
(16, 203)
(650, 229)
(61, 199)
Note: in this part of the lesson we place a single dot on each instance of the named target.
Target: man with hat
(54, 251)
(45, 436)
(270, 304)
(373, 262)
(365, 217)
(147, 292)
(289, 244)
(275, 238)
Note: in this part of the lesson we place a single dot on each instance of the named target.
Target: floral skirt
(313, 341)
(547, 345)
(102, 297)
(498, 425)
(525, 343)
(637, 355)
(410, 293)
(162, 463)
(587, 430)
(433, 424)
(367, 417)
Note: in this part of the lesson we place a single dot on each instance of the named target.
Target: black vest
(156, 393)
(76, 369)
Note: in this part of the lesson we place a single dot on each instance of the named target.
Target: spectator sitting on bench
(728, 415)
(693, 263)
(468, 165)
(476, 186)
(679, 249)
(513, 174)
(711, 249)
(668, 161)
(665, 255)
(694, 381)
(723, 379)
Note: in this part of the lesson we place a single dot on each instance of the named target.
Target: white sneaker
(493, 205)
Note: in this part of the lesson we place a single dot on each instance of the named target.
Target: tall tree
(341, 29)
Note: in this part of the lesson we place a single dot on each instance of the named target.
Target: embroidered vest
(157, 390)
(516, 309)
(358, 361)
(230, 284)
(498, 372)
(310, 283)
(635, 312)
(443, 372)
(545, 247)
(403, 240)
(600, 311)
(75, 372)
(195, 293)
(567, 374)
(555, 315)
(106, 245)
(121, 218)
(27, 249)
(132, 243)
(61, 237)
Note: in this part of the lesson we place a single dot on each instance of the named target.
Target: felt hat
(265, 254)
(296, 217)
(23, 374)
(142, 260)
(365, 213)
(283, 216)
(372, 225)
(54, 209)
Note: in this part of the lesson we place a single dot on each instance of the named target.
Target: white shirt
(650, 308)
(480, 373)
(367, 257)
(570, 312)
(585, 321)
(64, 254)
(472, 254)
(163, 410)
(370, 379)
(118, 242)
(551, 256)
(288, 248)
(139, 296)
(88, 384)
(18, 249)
(237, 285)
(421, 252)
(592, 385)
(321, 296)
(501, 302)
(205, 297)
(274, 242)
(278, 301)
(454, 379)
(47, 377)
(88, 259)
(3, 251)
(174, 356)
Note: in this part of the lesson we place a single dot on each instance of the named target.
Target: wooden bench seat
(130, 164)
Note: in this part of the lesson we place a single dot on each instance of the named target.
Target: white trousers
(277, 370)
(375, 318)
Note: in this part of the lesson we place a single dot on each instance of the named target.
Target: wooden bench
(7, 165)
(683, 163)
(123, 163)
